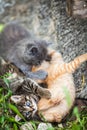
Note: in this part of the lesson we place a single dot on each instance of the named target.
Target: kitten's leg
(26, 69)
(40, 74)
(57, 112)
(31, 86)
(44, 104)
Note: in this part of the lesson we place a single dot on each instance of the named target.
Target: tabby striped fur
(26, 89)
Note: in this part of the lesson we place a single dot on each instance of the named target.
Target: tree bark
(71, 35)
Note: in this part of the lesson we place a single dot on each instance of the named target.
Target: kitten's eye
(28, 103)
(34, 50)
(27, 114)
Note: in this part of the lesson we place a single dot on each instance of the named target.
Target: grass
(7, 121)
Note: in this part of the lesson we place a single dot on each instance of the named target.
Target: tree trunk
(71, 35)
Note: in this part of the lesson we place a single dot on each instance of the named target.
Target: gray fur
(19, 47)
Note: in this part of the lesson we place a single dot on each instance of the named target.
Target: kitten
(26, 92)
(19, 47)
(61, 85)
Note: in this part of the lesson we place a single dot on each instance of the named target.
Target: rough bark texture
(48, 19)
(71, 35)
(77, 8)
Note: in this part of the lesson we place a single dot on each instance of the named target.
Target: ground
(48, 20)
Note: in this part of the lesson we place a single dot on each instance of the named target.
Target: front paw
(44, 93)
(42, 75)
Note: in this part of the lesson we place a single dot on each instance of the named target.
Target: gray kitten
(19, 47)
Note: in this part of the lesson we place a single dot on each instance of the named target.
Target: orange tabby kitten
(61, 85)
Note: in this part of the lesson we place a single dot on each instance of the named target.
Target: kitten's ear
(17, 99)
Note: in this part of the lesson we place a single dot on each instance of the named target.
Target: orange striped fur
(60, 84)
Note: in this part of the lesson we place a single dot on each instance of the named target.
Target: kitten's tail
(72, 66)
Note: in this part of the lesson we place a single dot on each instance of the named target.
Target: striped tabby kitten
(27, 90)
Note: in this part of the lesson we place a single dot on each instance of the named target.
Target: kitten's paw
(45, 93)
(41, 74)
(57, 117)
(38, 75)
(54, 101)
(45, 104)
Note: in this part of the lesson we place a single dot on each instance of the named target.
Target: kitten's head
(27, 105)
(35, 52)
